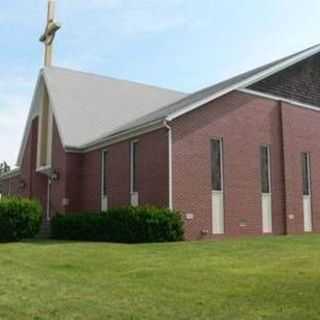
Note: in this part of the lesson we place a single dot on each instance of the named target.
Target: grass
(264, 278)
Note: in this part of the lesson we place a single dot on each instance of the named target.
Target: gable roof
(90, 109)
(88, 106)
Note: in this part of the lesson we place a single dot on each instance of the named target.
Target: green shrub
(125, 225)
(19, 219)
(143, 224)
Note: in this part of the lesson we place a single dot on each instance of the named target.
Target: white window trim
(267, 195)
(134, 195)
(218, 195)
(309, 213)
(103, 197)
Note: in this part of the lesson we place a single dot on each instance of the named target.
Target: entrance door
(306, 197)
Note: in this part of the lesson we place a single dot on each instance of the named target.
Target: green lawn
(264, 278)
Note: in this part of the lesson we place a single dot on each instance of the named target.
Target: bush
(19, 219)
(125, 225)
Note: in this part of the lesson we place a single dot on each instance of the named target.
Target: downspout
(170, 163)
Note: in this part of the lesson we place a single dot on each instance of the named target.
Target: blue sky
(179, 44)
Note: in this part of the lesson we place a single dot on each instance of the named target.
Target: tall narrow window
(306, 184)
(104, 173)
(133, 166)
(265, 169)
(216, 165)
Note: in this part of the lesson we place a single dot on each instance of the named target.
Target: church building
(238, 158)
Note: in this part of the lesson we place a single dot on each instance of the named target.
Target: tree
(4, 168)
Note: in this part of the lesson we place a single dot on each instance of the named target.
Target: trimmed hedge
(124, 225)
(19, 219)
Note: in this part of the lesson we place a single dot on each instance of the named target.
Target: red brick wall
(152, 177)
(74, 167)
(153, 168)
(244, 122)
(69, 185)
(35, 184)
(59, 159)
(119, 174)
(301, 134)
(38, 183)
(90, 181)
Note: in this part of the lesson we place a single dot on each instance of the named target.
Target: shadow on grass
(53, 242)
(46, 242)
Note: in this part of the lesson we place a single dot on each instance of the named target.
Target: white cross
(51, 28)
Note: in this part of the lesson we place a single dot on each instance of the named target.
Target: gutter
(117, 137)
(165, 123)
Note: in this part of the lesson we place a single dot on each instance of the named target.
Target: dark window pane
(265, 167)
(216, 165)
(305, 174)
(104, 173)
(134, 166)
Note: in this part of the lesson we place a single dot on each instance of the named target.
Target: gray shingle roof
(88, 107)
(232, 83)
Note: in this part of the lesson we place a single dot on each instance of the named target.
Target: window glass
(216, 164)
(306, 174)
(134, 167)
(104, 173)
(265, 169)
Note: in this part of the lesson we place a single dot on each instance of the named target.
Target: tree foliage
(4, 168)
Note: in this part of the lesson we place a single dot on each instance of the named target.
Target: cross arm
(50, 31)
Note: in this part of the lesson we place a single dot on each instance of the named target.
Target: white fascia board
(279, 98)
(122, 136)
(27, 127)
(52, 105)
(245, 83)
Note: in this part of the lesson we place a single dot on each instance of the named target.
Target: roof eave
(118, 137)
(245, 83)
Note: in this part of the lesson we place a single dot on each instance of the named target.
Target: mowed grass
(263, 278)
